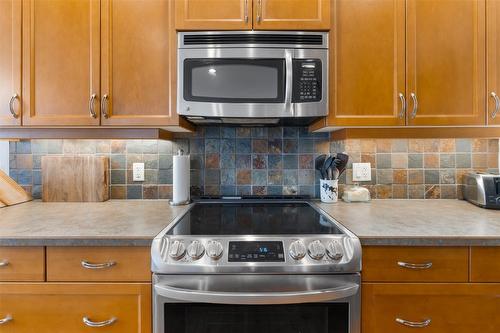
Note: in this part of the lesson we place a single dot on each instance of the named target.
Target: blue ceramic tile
(290, 132)
(212, 176)
(13, 174)
(306, 146)
(243, 161)
(227, 190)
(290, 146)
(275, 190)
(37, 177)
(23, 147)
(196, 146)
(227, 146)
(243, 146)
(227, 161)
(259, 177)
(211, 146)
(228, 132)
(212, 132)
(290, 177)
(228, 176)
(259, 132)
(275, 162)
(25, 177)
(243, 190)
(37, 161)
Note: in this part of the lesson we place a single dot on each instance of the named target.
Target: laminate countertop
(136, 222)
(110, 223)
(418, 222)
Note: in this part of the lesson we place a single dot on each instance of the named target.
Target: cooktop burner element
(218, 236)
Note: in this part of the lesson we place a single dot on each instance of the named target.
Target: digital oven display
(254, 251)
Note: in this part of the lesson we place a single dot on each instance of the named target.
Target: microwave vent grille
(235, 39)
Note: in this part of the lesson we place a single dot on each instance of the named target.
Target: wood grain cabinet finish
(457, 308)
(291, 14)
(61, 44)
(485, 264)
(415, 264)
(61, 308)
(493, 61)
(135, 57)
(10, 62)
(446, 62)
(213, 14)
(22, 264)
(98, 264)
(367, 63)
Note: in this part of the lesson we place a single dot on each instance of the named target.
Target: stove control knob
(334, 250)
(195, 250)
(316, 250)
(297, 250)
(177, 250)
(214, 250)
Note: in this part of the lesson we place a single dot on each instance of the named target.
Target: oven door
(235, 82)
(257, 303)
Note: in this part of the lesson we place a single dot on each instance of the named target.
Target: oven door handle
(249, 298)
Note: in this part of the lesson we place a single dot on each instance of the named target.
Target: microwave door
(237, 83)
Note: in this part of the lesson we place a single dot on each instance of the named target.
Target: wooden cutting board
(82, 178)
(10, 191)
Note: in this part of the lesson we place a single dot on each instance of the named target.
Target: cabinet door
(291, 14)
(61, 46)
(493, 61)
(10, 62)
(136, 77)
(446, 62)
(367, 63)
(457, 308)
(213, 14)
(61, 308)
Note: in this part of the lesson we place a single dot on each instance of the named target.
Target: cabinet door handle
(426, 265)
(6, 319)
(91, 106)
(246, 11)
(88, 265)
(104, 323)
(4, 262)
(104, 103)
(415, 324)
(11, 105)
(403, 105)
(259, 11)
(415, 105)
(497, 104)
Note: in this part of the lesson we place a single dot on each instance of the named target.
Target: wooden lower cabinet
(485, 264)
(457, 308)
(61, 308)
(22, 263)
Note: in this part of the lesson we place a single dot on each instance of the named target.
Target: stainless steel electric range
(254, 265)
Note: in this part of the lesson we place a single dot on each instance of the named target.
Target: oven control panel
(256, 251)
(306, 80)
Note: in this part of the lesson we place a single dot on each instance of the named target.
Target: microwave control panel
(306, 80)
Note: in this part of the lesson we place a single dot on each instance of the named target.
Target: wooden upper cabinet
(61, 46)
(493, 61)
(446, 62)
(135, 59)
(367, 63)
(213, 14)
(10, 62)
(291, 14)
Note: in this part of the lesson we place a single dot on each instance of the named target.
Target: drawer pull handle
(426, 265)
(4, 263)
(5, 320)
(416, 324)
(88, 265)
(104, 323)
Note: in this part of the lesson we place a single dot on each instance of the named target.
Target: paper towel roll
(181, 179)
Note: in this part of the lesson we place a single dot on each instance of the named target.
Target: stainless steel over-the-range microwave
(252, 77)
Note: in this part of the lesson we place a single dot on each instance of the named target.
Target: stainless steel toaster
(482, 189)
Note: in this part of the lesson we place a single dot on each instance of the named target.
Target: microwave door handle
(289, 82)
(252, 298)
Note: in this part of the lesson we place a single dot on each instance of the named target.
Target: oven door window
(294, 318)
(234, 80)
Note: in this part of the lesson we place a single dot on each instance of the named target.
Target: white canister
(329, 190)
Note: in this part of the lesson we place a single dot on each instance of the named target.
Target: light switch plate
(138, 172)
(361, 172)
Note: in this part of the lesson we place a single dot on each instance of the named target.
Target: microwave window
(234, 80)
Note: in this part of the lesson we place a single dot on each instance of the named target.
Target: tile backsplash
(277, 160)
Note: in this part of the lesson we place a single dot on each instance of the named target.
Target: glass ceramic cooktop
(253, 219)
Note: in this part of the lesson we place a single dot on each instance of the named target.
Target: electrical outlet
(138, 171)
(361, 172)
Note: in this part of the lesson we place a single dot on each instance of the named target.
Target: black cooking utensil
(327, 165)
(318, 164)
(341, 162)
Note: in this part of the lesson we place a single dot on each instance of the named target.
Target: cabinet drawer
(457, 307)
(98, 264)
(415, 264)
(22, 263)
(485, 264)
(61, 308)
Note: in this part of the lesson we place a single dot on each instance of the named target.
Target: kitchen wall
(262, 161)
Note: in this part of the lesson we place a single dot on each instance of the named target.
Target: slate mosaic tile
(227, 161)
(243, 177)
(416, 145)
(134, 191)
(165, 147)
(275, 132)
(243, 146)
(212, 132)
(479, 145)
(415, 161)
(228, 190)
(212, 190)
(118, 177)
(463, 145)
(196, 146)
(243, 132)
(431, 177)
(290, 190)
(212, 176)
(243, 190)
(196, 161)
(212, 146)
(259, 132)
(259, 190)
(306, 190)
(431, 161)
(24, 161)
(384, 176)
(36, 191)
(150, 161)
(133, 158)
(151, 176)
(432, 192)
(150, 192)
(384, 161)
(416, 176)
(400, 191)
(306, 146)
(259, 177)
(228, 132)
(212, 161)
(383, 145)
(24, 177)
(383, 191)
(197, 178)
(40, 146)
(243, 161)
(23, 147)
(55, 147)
(275, 146)
(400, 146)
(290, 146)
(306, 162)
(447, 176)
(275, 162)
(275, 177)
(399, 161)
(290, 161)
(306, 177)
(479, 161)
(164, 191)
(180, 144)
(165, 176)
(290, 132)
(416, 191)
(259, 146)
(118, 161)
(37, 177)
(290, 177)
(227, 176)
(448, 191)
(37, 161)
(259, 161)
(447, 161)
(321, 146)
(274, 190)
(118, 192)
(227, 146)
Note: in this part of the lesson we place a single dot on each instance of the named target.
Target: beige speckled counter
(111, 223)
(418, 222)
